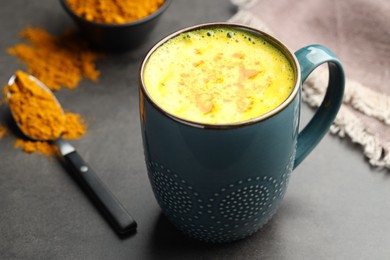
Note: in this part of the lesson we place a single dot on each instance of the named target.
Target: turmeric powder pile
(39, 115)
(3, 131)
(114, 11)
(35, 110)
(58, 61)
(44, 148)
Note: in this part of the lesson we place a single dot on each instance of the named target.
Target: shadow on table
(169, 243)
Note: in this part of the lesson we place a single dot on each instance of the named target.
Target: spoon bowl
(12, 81)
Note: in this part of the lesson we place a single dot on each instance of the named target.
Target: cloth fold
(358, 32)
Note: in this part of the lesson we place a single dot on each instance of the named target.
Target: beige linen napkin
(358, 31)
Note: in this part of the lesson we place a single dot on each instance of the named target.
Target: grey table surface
(336, 206)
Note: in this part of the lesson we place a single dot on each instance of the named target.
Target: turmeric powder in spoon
(39, 115)
(36, 111)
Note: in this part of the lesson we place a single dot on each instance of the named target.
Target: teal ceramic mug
(223, 182)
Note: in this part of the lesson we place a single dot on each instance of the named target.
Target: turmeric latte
(218, 76)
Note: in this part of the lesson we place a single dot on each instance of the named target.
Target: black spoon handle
(122, 221)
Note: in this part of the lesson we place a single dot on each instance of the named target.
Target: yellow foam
(218, 76)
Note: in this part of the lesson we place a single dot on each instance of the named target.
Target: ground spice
(39, 115)
(3, 131)
(44, 148)
(75, 126)
(58, 61)
(35, 110)
(114, 11)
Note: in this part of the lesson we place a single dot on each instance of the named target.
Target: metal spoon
(120, 219)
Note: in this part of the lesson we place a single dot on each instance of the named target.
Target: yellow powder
(44, 148)
(35, 110)
(58, 61)
(114, 11)
(39, 116)
(3, 131)
(75, 126)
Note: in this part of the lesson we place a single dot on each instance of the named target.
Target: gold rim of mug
(251, 121)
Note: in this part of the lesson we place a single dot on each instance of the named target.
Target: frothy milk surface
(218, 76)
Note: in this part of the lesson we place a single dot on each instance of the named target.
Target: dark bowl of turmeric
(111, 25)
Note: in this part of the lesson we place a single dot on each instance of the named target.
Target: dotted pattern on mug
(232, 212)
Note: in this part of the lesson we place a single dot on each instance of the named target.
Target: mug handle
(309, 58)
